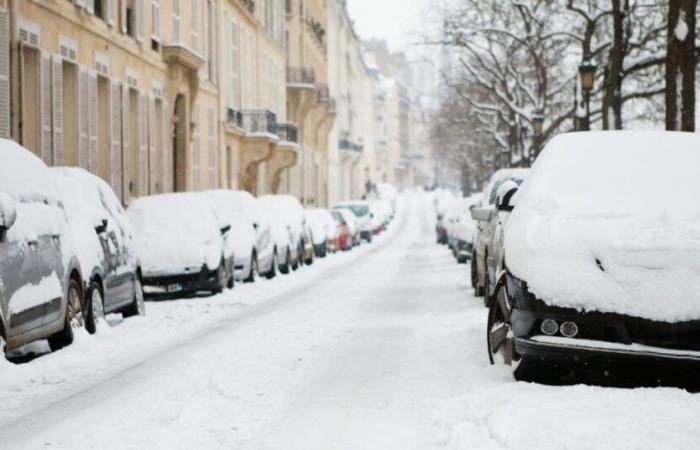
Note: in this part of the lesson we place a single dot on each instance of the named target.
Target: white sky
(399, 22)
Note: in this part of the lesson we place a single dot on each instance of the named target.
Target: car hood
(646, 267)
(167, 254)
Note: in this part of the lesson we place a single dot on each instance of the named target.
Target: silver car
(41, 286)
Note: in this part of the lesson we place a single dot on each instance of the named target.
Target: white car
(324, 230)
(288, 209)
(182, 245)
(461, 227)
(104, 246)
(351, 221)
(280, 237)
(361, 210)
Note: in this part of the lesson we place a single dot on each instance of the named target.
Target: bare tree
(680, 65)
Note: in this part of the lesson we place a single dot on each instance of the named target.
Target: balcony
(248, 5)
(301, 75)
(287, 132)
(183, 56)
(259, 121)
(234, 118)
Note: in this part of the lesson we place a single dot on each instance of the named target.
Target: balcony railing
(234, 117)
(322, 93)
(346, 145)
(249, 5)
(259, 121)
(287, 132)
(301, 75)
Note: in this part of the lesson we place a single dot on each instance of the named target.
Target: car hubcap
(75, 316)
(97, 306)
(501, 339)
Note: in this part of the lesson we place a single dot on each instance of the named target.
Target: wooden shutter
(152, 157)
(57, 109)
(142, 166)
(115, 160)
(81, 3)
(92, 122)
(123, 16)
(111, 12)
(46, 136)
(138, 18)
(126, 143)
(211, 147)
(4, 75)
(195, 147)
(167, 165)
(90, 6)
(83, 117)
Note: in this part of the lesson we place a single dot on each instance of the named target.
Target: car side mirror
(8, 212)
(225, 229)
(255, 225)
(504, 196)
(481, 214)
(102, 227)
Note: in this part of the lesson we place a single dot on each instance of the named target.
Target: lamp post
(537, 128)
(586, 72)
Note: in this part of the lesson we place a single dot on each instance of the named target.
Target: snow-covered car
(281, 238)
(389, 193)
(602, 256)
(41, 284)
(484, 256)
(288, 209)
(104, 246)
(381, 215)
(324, 230)
(461, 227)
(363, 215)
(182, 245)
(345, 236)
(443, 199)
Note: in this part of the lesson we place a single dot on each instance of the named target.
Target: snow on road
(380, 348)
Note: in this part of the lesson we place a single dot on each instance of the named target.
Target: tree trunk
(612, 104)
(680, 66)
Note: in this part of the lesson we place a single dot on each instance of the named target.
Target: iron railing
(301, 75)
(259, 121)
(287, 132)
(234, 117)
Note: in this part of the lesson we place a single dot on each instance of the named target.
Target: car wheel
(475, 275)
(274, 266)
(487, 287)
(138, 307)
(231, 282)
(220, 278)
(500, 342)
(284, 268)
(297, 261)
(253, 275)
(74, 317)
(94, 308)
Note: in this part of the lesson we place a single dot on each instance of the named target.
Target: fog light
(549, 327)
(568, 329)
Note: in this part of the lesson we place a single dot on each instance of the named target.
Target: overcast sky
(396, 21)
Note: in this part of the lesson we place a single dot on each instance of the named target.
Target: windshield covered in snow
(358, 210)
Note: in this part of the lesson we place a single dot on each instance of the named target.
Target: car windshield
(358, 210)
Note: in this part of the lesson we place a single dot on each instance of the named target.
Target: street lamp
(586, 72)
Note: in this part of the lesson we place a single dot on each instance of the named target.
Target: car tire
(138, 307)
(221, 278)
(475, 275)
(284, 268)
(499, 331)
(94, 308)
(231, 283)
(254, 273)
(272, 273)
(73, 317)
(487, 287)
(297, 262)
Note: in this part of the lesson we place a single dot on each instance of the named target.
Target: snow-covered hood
(609, 239)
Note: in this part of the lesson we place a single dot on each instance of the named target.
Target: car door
(119, 267)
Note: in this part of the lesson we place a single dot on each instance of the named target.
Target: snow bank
(175, 231)
(610, 221)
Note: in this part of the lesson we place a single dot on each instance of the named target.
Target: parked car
(281, 238)
(347, 230)
(106, 253)
(461, 227)
(288, 209)
(265, 257)
(483, 261)
(381, 214)
(41, 284)
(308, 252)
(602, 262)
(182, 245)
(442, 203)
(360, 209)
(324, 230)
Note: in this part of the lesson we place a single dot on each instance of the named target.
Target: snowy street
(381, 348)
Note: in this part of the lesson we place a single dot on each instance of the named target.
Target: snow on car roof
(23, 175)
(610, 221)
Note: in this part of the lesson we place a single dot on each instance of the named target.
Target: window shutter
(138, 18)
(92, 122)
(126, 143)
(4, 75)
(211, 148)
(142, 166)
(91, 6)
(81, 3)
(123, 16)
(152, 157)
(115, 162)
(111, 12)
(57, 109)
(45, 109)
(166, 148)
(195, 147)
(83, 118)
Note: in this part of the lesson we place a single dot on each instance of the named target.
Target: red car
(345, 239)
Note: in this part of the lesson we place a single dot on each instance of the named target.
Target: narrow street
(377, 349)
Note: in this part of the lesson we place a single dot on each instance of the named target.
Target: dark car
(106, 254)
(41, 285)
(601, 259)
(182, 245)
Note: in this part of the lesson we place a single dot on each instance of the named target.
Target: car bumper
(464, 249)
(590, 351)
(179, 285)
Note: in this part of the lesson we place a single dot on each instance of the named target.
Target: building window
(176, 21)
(155, 24)
(233, 63)
(211, 147)
(194, 26)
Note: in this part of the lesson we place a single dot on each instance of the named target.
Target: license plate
(173, 288)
